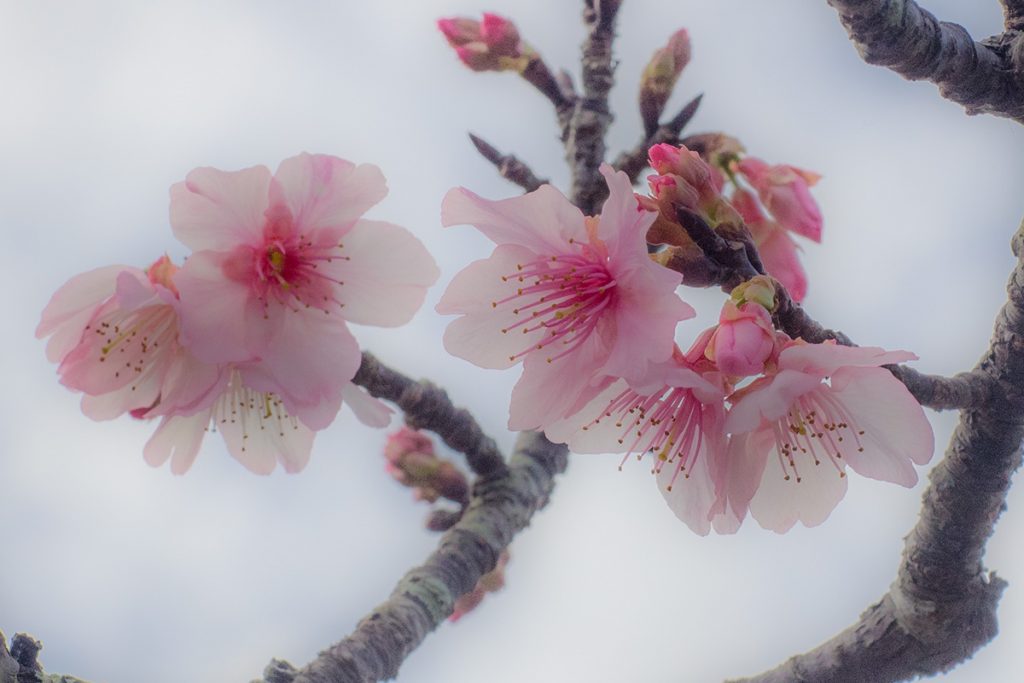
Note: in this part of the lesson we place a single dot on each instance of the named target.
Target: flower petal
(72, 306)
(386, 275)
(824, 359)
(219, 210)
(543, 220)
(287, 441)
(896, 431)
(177, 438)
(367, 409)
(311, 358)
(217, 311)
(780, 503)
(779, 253)
(769, 400)
(476, 291)
(325, 192)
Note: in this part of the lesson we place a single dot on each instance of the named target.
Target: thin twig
(427, 406)
(634, 161)
(501, 507)
(509, 167)
(897, 34)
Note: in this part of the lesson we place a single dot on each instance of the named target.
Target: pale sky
(130, 574)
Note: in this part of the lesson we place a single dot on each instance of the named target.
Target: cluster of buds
(492, 44)
(412, 462)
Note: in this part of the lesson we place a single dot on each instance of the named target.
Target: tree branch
(635, 160)
(1013, 14)
(585, 145)
(20, 664)
(427, 406)
(942, 606)
(897, 34)
(501, 506)
(509, 167)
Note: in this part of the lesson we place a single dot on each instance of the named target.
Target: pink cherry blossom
(281, 263)
(680, 418)
(785, 192)
(826, 407)
(779, 253)
(576, 299)
(743, 340)
(115, 334)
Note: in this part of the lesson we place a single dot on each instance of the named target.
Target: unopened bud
(659, 78)
(759, 289)
(411, 461)
(489, 45)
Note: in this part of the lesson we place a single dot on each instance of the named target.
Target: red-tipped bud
(785, 192)
(489, 45)
(411, 461)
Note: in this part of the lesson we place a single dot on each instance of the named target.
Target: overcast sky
(130, 574)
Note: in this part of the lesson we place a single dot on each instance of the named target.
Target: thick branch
(1013, 14)
(942, 606)
(501, 506)
(635, 160)
(983, 77)
(508, 166)
(585, 146)
(427, 406)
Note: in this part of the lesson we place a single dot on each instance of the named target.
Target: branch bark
(984, 77)
(427, 406)
(509, 167)
(585, 143)
(942, 606)
(634, 161)
(501, 506)
(20, 664)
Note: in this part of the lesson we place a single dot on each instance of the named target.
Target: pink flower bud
(743, 341)
(785, 192)
(489, 45)
(411, 461)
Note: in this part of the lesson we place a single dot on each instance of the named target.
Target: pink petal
(546, 391)
(896, 431)
(769, 401)
(387, 274)
(824, 359)
(72, 306)
(311, 358)
(588, 430)
(780, 257)
(189, 385)
(220, 210)
(779, 504)
(623, 225)
(367, 409)
(325, 192)
(543, 220)
(259, 450)
(178, 439)
(477, 336)
(317, 415)
(645, 321)
(216, 311)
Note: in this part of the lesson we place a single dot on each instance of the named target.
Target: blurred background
(129, 574)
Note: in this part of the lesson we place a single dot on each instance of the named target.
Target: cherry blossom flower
(576, 299)
(679, 417)
(779, 253)
(826, 407)
(784, 191)
(114, 332)
(281, 263)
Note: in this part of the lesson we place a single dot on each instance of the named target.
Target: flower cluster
(249, 337)
(747, 420)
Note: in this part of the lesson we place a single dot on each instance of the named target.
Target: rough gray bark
(509, 167)
(635, 160)
(985, 77)
(942, 606)
(20, 664)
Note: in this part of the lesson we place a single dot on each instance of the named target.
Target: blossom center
(562, 296)
(299, 274)
(129, 343)
(817, 426)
